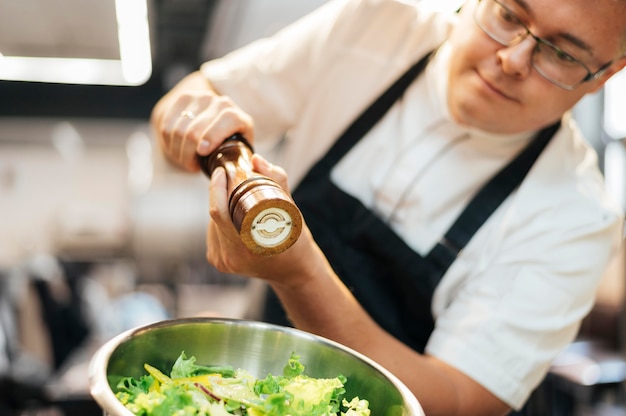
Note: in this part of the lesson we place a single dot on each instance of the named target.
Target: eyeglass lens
(502, 24)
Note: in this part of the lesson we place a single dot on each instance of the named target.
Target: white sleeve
(522, 303)
(274, 78)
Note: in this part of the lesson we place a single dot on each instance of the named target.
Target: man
(456, 229)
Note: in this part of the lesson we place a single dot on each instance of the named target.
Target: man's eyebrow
(574, 40)
(525, 6)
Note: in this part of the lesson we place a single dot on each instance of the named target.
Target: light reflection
(614, 104)
(134, 38)
(133, 68)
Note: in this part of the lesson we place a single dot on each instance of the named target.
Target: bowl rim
(105, 398)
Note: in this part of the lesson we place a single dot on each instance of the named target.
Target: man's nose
(516, 59)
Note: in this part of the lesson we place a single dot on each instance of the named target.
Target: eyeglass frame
(590, 75)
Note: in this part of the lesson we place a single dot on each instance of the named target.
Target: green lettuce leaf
(196, 390)
(187, 367)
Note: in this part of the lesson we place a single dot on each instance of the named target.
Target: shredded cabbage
(197, 390)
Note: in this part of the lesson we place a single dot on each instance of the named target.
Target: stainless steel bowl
(254, 346)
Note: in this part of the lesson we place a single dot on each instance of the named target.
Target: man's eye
(563, 57)
(507, 17)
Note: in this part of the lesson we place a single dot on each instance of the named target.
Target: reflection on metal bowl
(257, 347)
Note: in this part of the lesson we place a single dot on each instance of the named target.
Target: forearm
(324, 306)
(317, 301)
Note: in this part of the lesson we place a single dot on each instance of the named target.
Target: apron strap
(488, 199)
(368, 118)
(393, 282)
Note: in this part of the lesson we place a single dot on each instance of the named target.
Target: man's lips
(492, 87)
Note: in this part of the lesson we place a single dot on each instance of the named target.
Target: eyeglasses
(554, 64)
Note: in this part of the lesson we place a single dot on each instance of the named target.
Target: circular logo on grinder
(271, 227)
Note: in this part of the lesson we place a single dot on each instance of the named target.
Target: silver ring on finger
(188, 114)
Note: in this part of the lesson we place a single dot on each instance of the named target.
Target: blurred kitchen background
(99, 234)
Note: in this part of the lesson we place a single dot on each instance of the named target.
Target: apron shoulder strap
(488, 199)
(368, 118)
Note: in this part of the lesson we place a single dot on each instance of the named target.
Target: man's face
(495, 88)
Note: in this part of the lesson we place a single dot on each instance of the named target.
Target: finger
(204, 139)
(204, 148)
(184, 143)
(187, 132)
(274, 172)
(171, 129)
(222, 237)
(171, 116)
(182, 128)
(218, 200)
(194, 141)
(226, 123)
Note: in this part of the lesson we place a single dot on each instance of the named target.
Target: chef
(456, 223)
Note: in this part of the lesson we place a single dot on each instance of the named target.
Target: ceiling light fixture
(134, 66)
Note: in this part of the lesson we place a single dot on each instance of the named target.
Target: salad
(197, 390)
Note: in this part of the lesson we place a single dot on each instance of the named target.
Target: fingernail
(203, 147)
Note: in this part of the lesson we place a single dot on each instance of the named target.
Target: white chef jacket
(515, 296)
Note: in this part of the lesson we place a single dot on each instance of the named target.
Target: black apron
(392, 282)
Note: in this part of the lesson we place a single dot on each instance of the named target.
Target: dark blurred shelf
(31, 99)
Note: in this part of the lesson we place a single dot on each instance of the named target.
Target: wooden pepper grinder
(266, 217)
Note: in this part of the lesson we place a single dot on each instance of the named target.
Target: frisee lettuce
(197, 390)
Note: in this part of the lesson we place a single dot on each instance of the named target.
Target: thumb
(218, 196)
